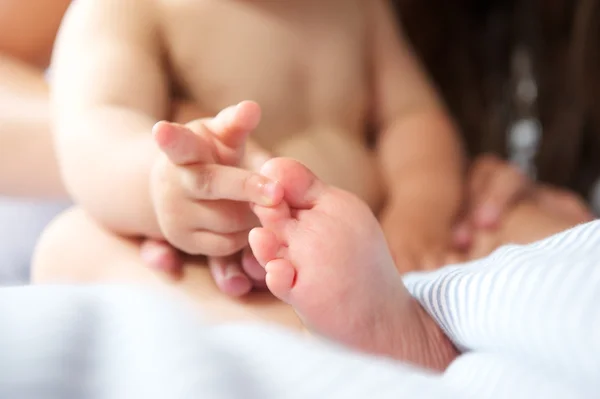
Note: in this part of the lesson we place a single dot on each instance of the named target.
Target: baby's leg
(75, 249)
(326, 255)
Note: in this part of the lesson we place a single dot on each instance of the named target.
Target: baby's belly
(339, 160)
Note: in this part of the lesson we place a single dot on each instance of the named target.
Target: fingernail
(232, 271)
(270, 193)
(488, 215)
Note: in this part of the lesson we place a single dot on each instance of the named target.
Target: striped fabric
(527, 319)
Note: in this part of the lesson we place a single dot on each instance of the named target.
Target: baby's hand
(200, 194)
(494, 186)
(417, 240)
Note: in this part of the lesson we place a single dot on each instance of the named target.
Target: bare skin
(27, 159)
(320, 70)
(494, 186)
(106, 257)
(338, 274)
(28, 164)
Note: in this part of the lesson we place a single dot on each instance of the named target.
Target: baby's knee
(57, 255)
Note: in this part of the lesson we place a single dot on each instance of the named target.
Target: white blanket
(527, 319)
(21, 223)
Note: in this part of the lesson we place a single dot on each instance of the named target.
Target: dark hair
(466, 46)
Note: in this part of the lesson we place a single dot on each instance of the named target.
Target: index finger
(210, 182)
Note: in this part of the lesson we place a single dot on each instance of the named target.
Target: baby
(325, 73)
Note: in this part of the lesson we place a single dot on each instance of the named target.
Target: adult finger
(220, 182)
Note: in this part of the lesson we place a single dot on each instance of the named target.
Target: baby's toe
(265, 245)
(274, 218)
(302, 188)
(281, 277)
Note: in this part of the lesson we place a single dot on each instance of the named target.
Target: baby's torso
(304, 61)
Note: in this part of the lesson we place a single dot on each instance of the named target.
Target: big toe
(302, 188)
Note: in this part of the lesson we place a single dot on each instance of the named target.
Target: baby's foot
(325, 254)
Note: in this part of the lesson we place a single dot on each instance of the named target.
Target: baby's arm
(109, 89)
(418, 146)
(27, 162)
(418, 143)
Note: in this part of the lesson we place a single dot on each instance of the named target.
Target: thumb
(233, 125)
(183, 146)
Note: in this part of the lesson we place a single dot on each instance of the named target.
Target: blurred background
(519, 76)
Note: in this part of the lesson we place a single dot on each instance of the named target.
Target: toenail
(270, 193)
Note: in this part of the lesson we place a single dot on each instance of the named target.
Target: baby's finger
(228, 275)
(208, 243)
(479, 175)
(161, 256)
(252, 268)
(505, 188)
(182, 146)
(233, 124)
(462, 235)
(222, 217)
(219, 182)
